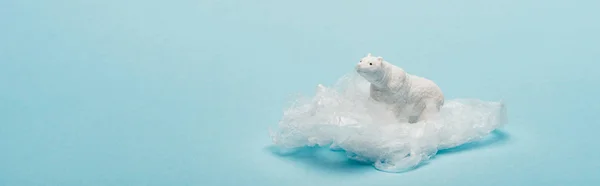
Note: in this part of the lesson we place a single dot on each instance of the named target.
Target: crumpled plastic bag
(343, 117)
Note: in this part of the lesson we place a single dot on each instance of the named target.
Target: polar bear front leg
(430, 111)
(399, 113)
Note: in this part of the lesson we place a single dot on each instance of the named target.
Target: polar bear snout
(360, 68)
(365, 67)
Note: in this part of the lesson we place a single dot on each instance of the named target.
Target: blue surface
(182, 92)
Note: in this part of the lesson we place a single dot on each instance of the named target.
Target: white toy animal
(409, 97)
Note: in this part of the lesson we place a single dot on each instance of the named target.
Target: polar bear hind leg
(430, 111)
(413, 119)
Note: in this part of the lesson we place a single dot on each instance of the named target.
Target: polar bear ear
(369, 55)
(380, 59)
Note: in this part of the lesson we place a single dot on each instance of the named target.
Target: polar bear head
(370, 67)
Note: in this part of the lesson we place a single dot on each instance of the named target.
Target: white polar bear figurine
(409, 97)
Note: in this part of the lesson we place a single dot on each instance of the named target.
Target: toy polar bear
(409, 97)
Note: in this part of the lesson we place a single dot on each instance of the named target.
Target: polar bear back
(406, 87)
(408, 94)
(423, 89)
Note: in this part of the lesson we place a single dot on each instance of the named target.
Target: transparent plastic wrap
(345, 118)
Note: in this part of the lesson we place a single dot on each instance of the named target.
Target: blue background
(182, 92)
